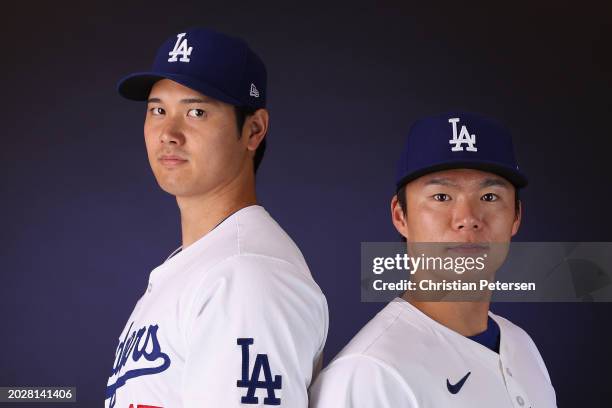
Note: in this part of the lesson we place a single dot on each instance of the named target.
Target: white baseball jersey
(233, 320)
(403, 358)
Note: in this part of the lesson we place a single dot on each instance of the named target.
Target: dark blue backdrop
(83, 221)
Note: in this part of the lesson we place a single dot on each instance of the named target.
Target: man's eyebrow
(440, 182)
(197, 100)
(494, 182)
(185, 101)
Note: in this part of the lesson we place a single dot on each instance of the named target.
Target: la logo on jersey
(180, 48)
(252, 382)
(464, 137)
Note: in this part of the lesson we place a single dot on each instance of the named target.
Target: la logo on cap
(463, 137)
(180, 48)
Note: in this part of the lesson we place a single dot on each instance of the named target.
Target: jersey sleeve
(360, 382)
(254, 333)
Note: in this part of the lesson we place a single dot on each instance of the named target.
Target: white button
(508, 371)
(520, 400)
(150, 287)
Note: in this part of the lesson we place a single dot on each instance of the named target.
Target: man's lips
(468, 248)
(171, 160)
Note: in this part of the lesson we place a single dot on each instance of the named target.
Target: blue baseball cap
(212, 63)
(456, 140)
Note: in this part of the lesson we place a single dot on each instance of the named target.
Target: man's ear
(398, 217)
(255, 128)
(517, 218)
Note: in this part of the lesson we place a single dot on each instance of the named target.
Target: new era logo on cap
(254, 92)
(215, 64)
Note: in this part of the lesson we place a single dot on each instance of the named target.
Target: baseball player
(233, 317)
(457, 182)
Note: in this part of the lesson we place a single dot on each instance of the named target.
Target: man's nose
(172, 134)
(466, 217)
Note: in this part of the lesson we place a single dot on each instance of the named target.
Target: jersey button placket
(511, 386)
(515, 389)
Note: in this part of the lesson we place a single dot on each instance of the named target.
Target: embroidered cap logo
(254, 92)
(463, 137)
(180, 48)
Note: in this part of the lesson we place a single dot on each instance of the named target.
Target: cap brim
(137, 86)
(512, 175)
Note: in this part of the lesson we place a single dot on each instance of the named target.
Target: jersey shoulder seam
(382, 331)
(238, 237)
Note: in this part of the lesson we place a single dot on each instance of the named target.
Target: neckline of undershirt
(490, 337)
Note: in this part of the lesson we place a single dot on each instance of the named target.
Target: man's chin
(178, 190)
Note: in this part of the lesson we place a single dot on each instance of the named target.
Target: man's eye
(441, 197)
(196, 113)
(157, 111)
(489, 197)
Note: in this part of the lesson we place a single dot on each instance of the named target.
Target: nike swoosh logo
(455, 388)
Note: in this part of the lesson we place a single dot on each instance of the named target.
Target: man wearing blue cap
(457, 183)
(232, 317)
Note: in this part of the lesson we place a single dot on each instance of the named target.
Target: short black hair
(401, 198)
(242, 113)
